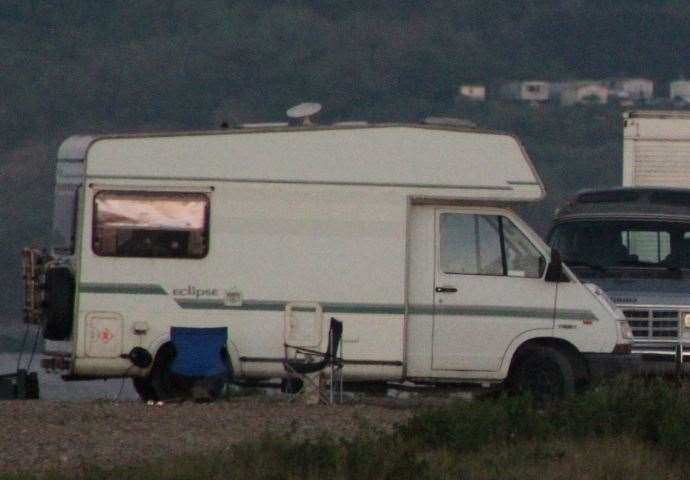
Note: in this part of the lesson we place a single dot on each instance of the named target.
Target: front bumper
(608, 365)
(663, 358)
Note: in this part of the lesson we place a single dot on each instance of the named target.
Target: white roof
(657, 114)
(74, 148)
(439, 160)
(659, 126)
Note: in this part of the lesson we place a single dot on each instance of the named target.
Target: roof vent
(449, 122)
(304, 112)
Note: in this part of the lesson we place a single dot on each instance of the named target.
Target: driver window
(486, 245)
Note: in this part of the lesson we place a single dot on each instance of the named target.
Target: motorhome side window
(486, 245)
(150, 224)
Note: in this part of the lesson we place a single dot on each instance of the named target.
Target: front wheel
(543, 372)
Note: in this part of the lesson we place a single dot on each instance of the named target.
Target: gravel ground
(45, 435)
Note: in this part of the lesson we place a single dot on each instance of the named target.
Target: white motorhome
(402, 232)
(634, 242)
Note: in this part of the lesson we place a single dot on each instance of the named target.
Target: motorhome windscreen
(597, 245)
(150, 224)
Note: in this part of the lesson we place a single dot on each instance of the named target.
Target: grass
(628, 430)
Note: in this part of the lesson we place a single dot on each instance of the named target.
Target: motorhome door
(488, 289)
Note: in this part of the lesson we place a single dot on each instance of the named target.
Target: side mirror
(554, 271)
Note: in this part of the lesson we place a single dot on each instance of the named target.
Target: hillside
(78, 67)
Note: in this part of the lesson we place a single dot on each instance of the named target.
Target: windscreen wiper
(665, 266)
(591, 266)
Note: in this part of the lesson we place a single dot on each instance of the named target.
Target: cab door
(488, 288)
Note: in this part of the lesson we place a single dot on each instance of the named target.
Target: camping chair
(303, 363)
(201, 359)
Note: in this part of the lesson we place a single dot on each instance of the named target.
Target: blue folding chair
(201, 357)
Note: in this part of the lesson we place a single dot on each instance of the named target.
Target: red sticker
(105, 335)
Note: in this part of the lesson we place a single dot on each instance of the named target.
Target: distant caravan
(402, 232)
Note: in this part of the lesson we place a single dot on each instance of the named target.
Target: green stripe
(576, 315)
(361, 308)
(393, 309)
(123, 288)
(279, 306)
(493, 311)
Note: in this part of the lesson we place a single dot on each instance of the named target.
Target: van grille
(653, 324)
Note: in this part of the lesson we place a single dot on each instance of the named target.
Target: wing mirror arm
(554, 270)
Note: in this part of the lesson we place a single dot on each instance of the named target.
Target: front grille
(654, 324)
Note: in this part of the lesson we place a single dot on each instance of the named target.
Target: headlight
(626, 331)
(686, 320)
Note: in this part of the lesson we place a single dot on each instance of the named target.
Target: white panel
(390, 156)
(74, 147)
(273, 243)
(658, 125)
(303, 322)
(661, 163)
(103, 334)
(421, 291)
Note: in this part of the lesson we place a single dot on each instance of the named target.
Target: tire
(166, 386)
(543, 372)
(59, 304)
(144, 388)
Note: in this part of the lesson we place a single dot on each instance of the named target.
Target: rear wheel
(543, 372)
(58, 304)
(165, 385)
(144, 388)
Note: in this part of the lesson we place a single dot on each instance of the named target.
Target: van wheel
(168, 386)
(58, 304)
(165, 384)
(144, 388)
(543, 372)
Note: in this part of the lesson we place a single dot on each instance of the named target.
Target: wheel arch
(520, 348)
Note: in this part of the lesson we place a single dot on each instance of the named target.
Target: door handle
(446, 289)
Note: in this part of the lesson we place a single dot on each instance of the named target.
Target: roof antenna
(304, 112)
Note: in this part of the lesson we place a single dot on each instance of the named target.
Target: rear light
(624, 348)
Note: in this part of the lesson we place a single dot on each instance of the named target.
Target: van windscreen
(623, 244)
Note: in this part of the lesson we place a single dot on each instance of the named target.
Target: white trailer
(402, 232)
(656, 149)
